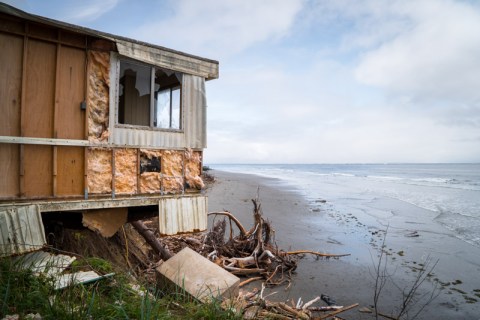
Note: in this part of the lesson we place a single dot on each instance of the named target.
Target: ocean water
(450, 192)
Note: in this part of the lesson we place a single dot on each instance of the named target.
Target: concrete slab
(198, 276)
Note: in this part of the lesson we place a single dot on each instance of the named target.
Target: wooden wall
(42, 84)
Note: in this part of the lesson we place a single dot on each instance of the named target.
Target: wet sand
(331, 228)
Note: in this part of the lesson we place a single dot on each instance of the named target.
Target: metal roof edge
(7, 9)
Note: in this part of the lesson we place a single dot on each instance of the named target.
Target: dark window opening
(149, 96)
(152, 164)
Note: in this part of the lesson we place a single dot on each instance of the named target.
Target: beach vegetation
(24, 293)
(413, 297)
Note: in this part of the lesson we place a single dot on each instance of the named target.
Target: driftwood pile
(255, 306)
(253, 254)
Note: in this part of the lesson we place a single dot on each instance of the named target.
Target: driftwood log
(151, 239)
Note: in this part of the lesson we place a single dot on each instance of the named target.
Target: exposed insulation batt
(125, 171)
(98, 95)
(193, 165)
(172, 163)
(99, 170)
(172, 184)
(172, 169)
(150, 182)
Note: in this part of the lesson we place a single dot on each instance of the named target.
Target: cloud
(435, 57)
(220, 28)
(77, 12)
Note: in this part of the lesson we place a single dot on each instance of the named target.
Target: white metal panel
(195, 112)
(21, 230)
(180, 215)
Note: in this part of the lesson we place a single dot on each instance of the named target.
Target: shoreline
(323, 226)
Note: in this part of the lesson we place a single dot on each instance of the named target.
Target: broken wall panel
(99, 170)
(193, 170)
(21, 230)
(98, 95)
(125, 171)
(105, 221)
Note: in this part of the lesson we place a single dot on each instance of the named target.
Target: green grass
(22, 292)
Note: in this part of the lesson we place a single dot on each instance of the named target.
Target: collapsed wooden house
(97, 124)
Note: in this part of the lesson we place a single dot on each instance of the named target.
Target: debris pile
(251, 253)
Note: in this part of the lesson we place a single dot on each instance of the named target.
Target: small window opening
(152, 164)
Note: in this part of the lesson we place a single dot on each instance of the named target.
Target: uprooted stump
(252, 252)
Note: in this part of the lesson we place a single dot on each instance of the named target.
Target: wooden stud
(113, 173)
(54, 172)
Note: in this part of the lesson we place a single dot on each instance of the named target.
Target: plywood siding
(38, 173)
(37, 120)
(9, 170)
(11, 48)
(70, 119)
(70, 171)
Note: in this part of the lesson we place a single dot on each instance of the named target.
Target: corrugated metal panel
(195, 101)
(194, 132)
(185, 214)
(21, 230)
(151, 138)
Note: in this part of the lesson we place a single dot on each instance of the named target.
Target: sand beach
(330, 226)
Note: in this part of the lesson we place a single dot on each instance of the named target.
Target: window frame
(152, 127)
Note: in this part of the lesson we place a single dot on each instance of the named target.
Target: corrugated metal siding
(21, 230)
(196, 112)
(194, 131)
(179, 215)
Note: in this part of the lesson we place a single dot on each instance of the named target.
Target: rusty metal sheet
(21, 230)
(181, 215)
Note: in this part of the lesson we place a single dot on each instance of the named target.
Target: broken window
(149, 96)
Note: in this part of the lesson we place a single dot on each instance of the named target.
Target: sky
(326, 81)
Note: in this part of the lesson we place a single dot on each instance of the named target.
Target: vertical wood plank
(11, 48)
(38, 171)
(37, 118)
(70, 171)
(70, 90)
